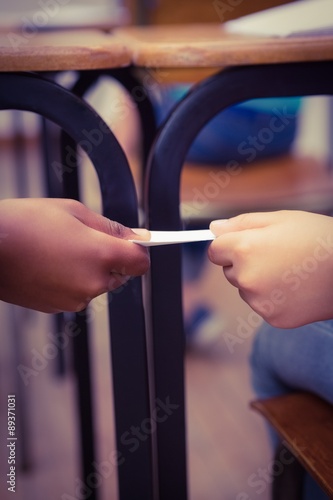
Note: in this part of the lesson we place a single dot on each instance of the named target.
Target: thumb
(104, 225)
(241, 223)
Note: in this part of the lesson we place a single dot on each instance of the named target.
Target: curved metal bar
(81, 122)
(126, 77)
(32, 93)
(204, 101)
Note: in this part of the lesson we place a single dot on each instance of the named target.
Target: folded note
(173, 237)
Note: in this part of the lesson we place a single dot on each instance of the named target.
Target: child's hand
(57, 255)
(281, 262)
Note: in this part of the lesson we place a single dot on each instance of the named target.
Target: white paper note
(173, 237)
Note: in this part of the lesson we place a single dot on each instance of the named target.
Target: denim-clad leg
(285, 360)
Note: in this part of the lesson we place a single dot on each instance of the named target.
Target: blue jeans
(287, 360)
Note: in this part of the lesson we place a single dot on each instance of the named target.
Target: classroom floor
(227, 442)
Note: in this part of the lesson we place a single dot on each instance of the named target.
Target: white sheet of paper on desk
(297, 18)
(173, 237)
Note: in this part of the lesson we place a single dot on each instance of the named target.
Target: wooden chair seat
(305, 424)
(286, 182)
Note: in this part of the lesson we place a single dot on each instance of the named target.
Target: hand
(281, 262)
(56, 255)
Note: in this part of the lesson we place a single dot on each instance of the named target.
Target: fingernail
(141, 232)
(215, 225)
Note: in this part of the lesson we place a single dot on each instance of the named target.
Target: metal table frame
(128, 340)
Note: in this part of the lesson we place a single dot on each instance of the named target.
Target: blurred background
(228, 448)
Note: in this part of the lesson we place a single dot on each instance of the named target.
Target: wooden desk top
(199, 46)
(209, 46)
(62, 50)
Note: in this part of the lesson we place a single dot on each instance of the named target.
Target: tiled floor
(227, 442)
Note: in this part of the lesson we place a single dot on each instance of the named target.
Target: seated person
(293, 359)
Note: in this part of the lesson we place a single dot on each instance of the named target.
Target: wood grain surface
(306, 423)
(208, 45)
(181, 46)
(61, 50)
